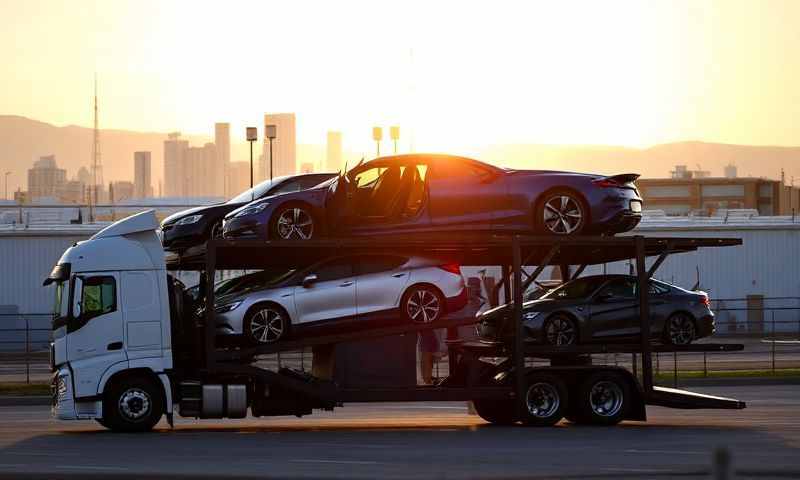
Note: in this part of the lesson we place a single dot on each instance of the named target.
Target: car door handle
(346, 284)
(398, 275)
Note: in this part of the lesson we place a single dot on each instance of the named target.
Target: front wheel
(422, 304)
(560, 330)
(133, 404)
(266, 324)
(292, 222)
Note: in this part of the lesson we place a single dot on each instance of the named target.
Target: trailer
(206, 379)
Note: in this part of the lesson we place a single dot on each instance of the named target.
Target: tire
(561, 212)
(422, 304)
(292, 222)
(496, 412)
(266, 323)
(603, 399)
(132, 404)
(545, 400)
(559, 330)
(680, 329)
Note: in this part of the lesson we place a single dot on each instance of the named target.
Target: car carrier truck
(127, 348)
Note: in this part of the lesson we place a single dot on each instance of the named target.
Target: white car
(268, 306)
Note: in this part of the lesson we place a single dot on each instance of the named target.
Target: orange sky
(455, 74)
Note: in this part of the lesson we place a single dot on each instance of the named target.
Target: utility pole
(5, 195)
(270, 131)
(252, 136)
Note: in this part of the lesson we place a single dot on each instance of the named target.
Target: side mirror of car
(309, 280)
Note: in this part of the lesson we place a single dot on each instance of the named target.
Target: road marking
(345, 462)
(677, 452)
(90, 467)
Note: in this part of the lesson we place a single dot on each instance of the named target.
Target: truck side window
(99, 297)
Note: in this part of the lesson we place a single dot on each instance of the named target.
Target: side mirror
(309, 280)
(77, 292)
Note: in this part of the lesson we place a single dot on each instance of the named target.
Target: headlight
(252, 210)
(227, 308)
(531, 315)
(189, 220)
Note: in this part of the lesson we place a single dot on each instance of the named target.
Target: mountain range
(23, 140)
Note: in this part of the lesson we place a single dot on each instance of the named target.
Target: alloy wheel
(681, 330)
(423, 306)
(267, 326)
(134, 404)
(560, 331)
(563, 215)
(606, 398)
(216, 230)
(542, 400)
(295, 223)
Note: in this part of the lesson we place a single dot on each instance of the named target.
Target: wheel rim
(266, 326)
(606, 398)
(216, 230)
(560, 331)
(423, 306)
(681, 330)
(563, 215)
(295, 223)
(542, 400)
(134, 404)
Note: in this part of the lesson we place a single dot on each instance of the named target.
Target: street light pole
(5, 195)
(270, 132)
(377, 135)
(394, 133)
(252, 136)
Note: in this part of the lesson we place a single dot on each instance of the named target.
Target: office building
(284, 146)
(239, 177)
(45, 179)
(121, 191)
(333, 157)
(222, 139)
(307, 167)
(142, 186)
(175, 173)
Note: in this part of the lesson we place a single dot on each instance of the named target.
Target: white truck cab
(111, 327)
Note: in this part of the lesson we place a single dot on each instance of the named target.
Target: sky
(454, 75)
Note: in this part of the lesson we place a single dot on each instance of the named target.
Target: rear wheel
(292, 222)
(265, 324)
(422, 304)
(603, 399)
(680, 329)
(132, 404)
(561, 212)
(545, 400)
(560, 330)
(496, 412)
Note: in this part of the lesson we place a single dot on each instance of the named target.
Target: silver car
(268, 306)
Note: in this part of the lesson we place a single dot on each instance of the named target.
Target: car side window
(311, 181)
(286, 187)
(334, 270)
(656, 289)
(99, 296)
(458, 170)
(620, 288)
(379, 263)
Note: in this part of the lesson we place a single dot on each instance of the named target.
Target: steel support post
(644, 315)
(211, 267)
(519, 354)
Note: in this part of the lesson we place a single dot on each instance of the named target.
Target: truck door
(95, 332)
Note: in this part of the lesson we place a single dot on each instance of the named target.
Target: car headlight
(531, 315)
(252, 210)
(189, 220)
(227, 308)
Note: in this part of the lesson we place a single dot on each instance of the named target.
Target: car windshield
(257, 191)
(577, 289)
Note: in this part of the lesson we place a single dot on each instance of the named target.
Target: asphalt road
(420, 440)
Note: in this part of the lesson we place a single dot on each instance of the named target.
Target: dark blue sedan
(426, 193)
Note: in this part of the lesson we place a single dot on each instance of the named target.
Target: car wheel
(603, 399)
(560, 330)
(680, 329)
(545, 400)
(562, 213)
(422, 304)
(266, 324)
(216, 231)
(133, 404)
(292, 222)
(496, 412)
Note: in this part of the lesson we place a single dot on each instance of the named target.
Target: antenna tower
(97, 166)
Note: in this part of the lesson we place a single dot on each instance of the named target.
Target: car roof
(427, 158)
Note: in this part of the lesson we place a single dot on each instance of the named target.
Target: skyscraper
(284, 146)
(175, 172)
(333, 159)
(45, 179)
(222, 139)
(142, 187)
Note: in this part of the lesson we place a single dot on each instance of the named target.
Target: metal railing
(772, 347)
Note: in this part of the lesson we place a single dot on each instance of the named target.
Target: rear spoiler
(624, 178)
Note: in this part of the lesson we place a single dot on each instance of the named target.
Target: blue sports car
(427, 193)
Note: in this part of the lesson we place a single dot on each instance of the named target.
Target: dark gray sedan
(605, 308)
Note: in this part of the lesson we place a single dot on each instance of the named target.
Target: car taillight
(452, 268)
(705, 301)
(606, 183)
